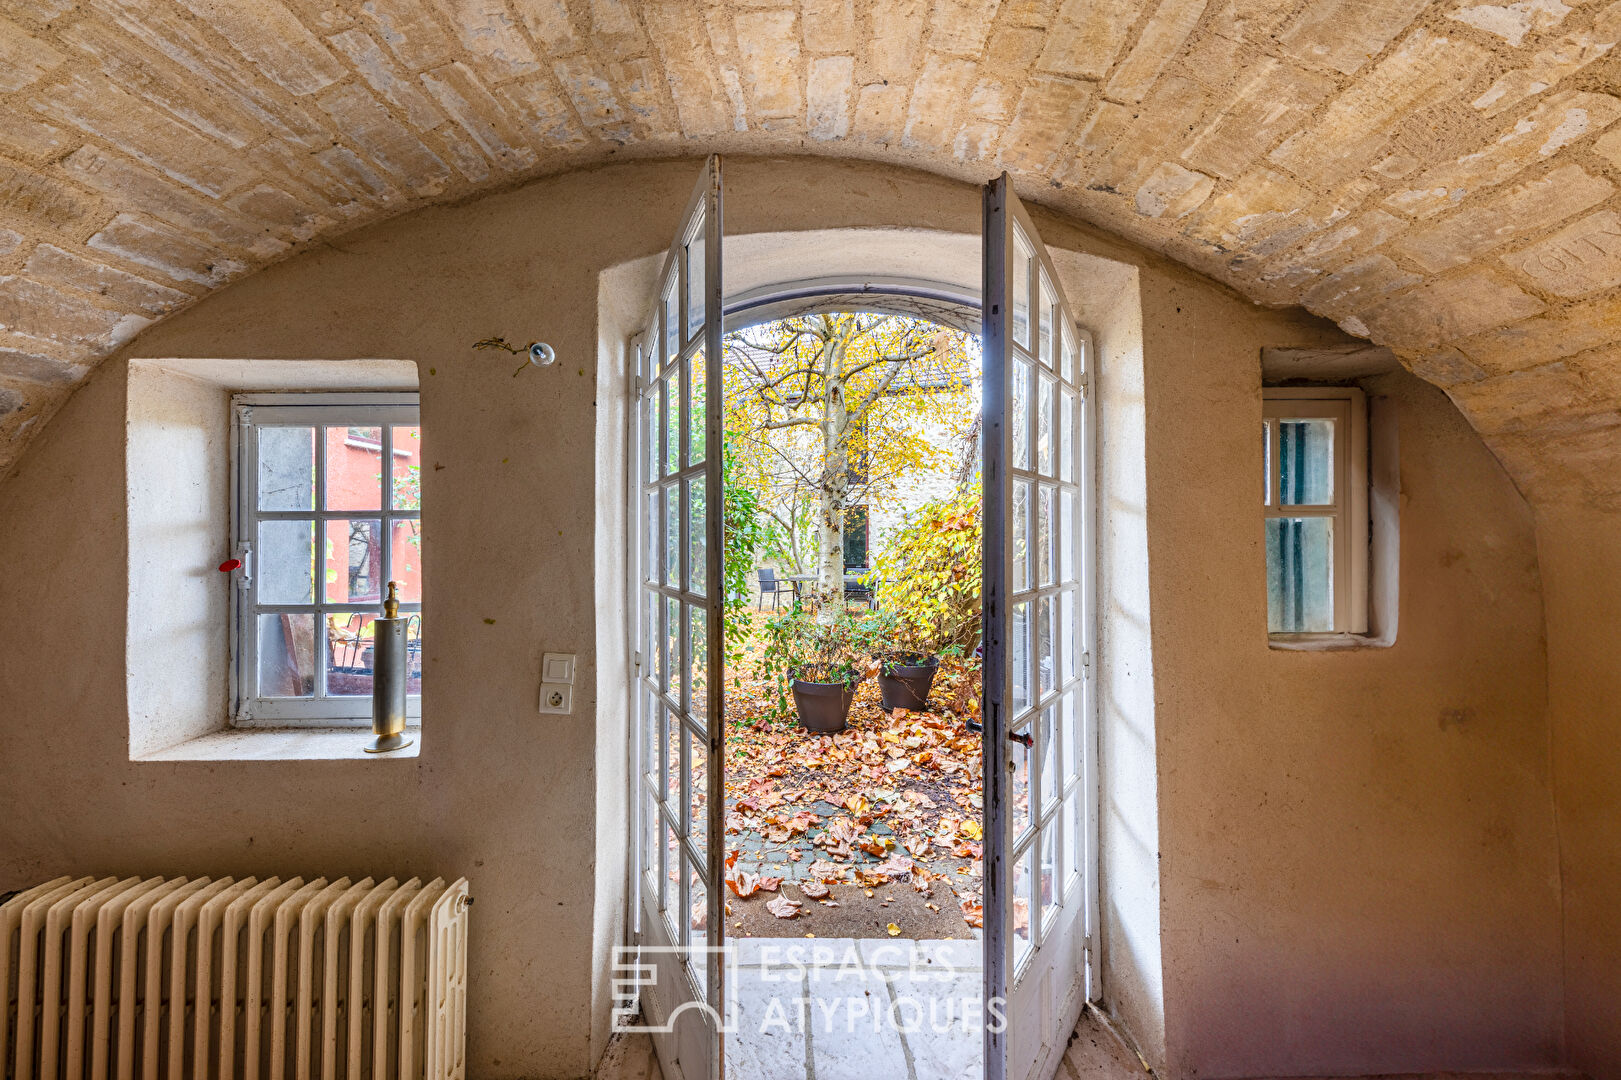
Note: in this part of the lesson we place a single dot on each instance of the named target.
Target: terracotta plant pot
(906, 686)
(823, 707)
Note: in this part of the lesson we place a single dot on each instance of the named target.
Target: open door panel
(1038, 617)
(678, 799)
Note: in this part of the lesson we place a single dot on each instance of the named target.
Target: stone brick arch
(1434, 178)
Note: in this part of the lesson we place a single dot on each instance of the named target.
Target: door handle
(979, 729)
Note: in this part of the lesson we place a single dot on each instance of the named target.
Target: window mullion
(322, 642)
(320, 468)
(385, 524)
(1342, 534)
(245, 525)
(1274, 466)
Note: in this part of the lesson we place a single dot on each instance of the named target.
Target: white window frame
(1347, 406)
(250, 412)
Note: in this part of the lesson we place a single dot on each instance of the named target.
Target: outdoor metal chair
(346, 645)
(856, 590)
(413, 645)
(774, 586)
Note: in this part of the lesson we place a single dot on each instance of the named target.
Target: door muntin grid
(1048, 644)
(676, 488)
(675, 600)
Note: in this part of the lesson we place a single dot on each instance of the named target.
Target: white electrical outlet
(556, 698)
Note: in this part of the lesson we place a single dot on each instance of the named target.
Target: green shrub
(824, 647)
(928, 577)
(744, 535)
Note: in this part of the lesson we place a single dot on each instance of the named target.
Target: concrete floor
(629, 1057)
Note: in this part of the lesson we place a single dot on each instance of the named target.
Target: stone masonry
(1438, 177)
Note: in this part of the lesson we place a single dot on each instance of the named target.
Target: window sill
(1325, 642)
(283, 744)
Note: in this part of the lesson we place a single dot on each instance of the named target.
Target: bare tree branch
(792, 421)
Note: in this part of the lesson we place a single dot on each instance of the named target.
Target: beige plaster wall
(1581, 573)
(1353, 842)
(1355, 848)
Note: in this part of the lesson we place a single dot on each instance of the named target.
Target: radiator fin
(237, 979)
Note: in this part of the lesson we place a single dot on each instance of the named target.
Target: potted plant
(821, 657)
(907, 663)
(904, 681)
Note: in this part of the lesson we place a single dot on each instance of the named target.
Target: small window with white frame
(1315, 448)
(327, 502)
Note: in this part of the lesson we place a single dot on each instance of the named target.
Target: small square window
(328, 511)
(1315, 506)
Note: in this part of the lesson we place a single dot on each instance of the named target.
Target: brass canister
(390, 669)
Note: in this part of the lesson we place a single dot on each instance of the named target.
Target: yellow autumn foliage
(825, 412)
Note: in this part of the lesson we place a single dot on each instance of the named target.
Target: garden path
(872, 832)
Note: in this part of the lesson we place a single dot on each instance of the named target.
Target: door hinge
(1086, 382)
(636, 660)
(641, 387)
(1086, 659)
(244, 553)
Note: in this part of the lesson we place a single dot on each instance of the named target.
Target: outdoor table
(852, 582)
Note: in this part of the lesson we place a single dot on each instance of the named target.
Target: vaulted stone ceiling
(1437, 177)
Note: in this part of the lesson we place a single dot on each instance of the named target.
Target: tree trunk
(835, 483)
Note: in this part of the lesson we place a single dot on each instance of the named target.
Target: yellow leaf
(894, 930)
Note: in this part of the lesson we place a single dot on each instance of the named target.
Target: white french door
(678, 801)
(1040, 734)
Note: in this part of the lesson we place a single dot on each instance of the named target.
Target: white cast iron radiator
(239, 980)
